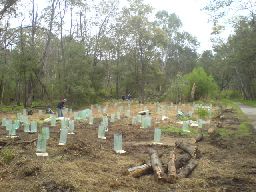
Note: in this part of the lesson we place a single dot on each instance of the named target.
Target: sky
(194, 20)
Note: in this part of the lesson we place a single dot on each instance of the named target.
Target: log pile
(181, 163)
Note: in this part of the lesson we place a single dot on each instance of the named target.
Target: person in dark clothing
(60, 107)
(129, 97)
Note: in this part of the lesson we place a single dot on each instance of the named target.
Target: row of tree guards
(180, 164)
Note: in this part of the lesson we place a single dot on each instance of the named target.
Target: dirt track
(251, 114)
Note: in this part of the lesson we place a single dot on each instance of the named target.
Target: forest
(89, 51)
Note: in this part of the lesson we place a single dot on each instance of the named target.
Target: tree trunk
(141, 170)
(157, 166)
(172, 175)
(18, 92)
(2, 92)
(182, 160)
(187, 170)
(142, 80)
(30, 92)
(199, 138)
(192, 150)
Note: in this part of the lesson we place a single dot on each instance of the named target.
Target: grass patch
(10, 108)
(251, 103)
(7, 155)
(179, 131)
(245, 129)
(202, 113)
(224, 132)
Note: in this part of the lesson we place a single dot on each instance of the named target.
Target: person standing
(60, 107)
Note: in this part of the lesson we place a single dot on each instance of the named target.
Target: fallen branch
(211, 130)
(157, 166)
(198, 138)
(187, 170)
(27, 142)
(192, 150)
(182, 160)
(3, 143)
(172, 175)
(141, 170)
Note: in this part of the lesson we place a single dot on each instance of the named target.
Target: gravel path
(251, 113)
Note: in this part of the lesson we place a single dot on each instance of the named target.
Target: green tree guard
(26, 127)
(101, 131)
(157, 136)
(46, 132)
(185, 127)
(71, 127)
(63, 136)
(118, 143)
(33, 127)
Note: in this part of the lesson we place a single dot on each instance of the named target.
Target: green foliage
(224, 132)
(230, 94)
(10, 108)
(181, 86)
(251, 103)
(7, 155)
(206, 87)
(202, 113)
(245, 129)
(178, 90)
(179, 131)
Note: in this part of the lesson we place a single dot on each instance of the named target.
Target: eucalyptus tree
(141, 41)
(179, 55)
(6, 7)
(235, 58)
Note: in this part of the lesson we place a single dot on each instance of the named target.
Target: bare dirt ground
(90, 164)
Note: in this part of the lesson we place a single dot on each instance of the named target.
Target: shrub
(231, 94)
(178, 90)
(202, 113)
(206, 87)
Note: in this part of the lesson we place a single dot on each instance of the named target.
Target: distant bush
(180, 87)
(202, 113)
(178, 90)
(231, 94)
(206, 87)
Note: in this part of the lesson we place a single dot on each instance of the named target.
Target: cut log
(141, 170)
(3, 143)
(143, 112)
(192, 150)
(228, 110)
(198, 138)
(211, 130)
(157, 166)
(172, 175)
(187, 170)
(27, 142)
(182, 160)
